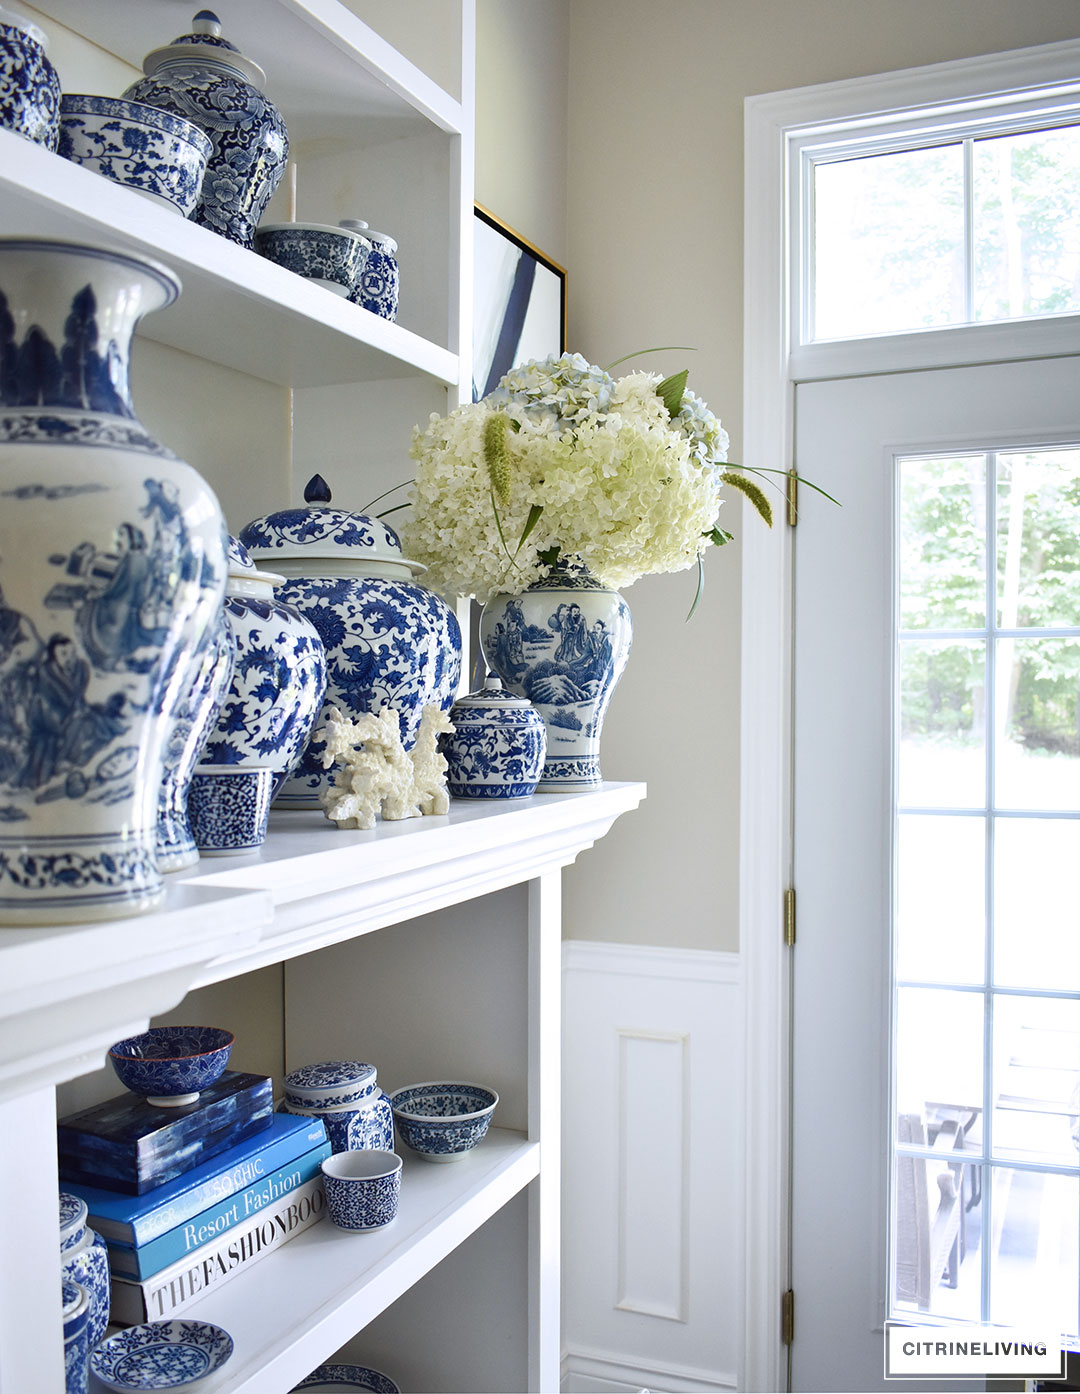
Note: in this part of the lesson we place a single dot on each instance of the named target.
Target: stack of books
(201, 1225)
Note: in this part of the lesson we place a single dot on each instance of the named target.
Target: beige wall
(654, 206)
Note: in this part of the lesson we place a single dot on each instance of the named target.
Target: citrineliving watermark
(971, 1352)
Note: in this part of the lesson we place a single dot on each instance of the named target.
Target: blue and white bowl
(362, 1188)
(75, 1302)
(496, 749)
(158, 154)
(376, 287)
(29, 86)
(171, 1065)
(84, 1259)
(278, 677)
(334, 1379)
(442, 1120)
(332, 257)
(161, 1355)
(330, 1084)
(229, 808)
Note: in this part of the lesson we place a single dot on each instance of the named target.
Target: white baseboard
(652, 1168)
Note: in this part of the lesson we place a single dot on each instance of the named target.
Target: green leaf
(671, 391)
(396, 509)
(530, 523)
(700, 588)
(668, 348)
(753, 492)
(549, 557)
(403, 485)
(718, 536)
(791, 474)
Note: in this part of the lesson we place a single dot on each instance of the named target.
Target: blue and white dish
(75, 1303)
(332, 1379)
(376, 288)
(330, 1083)
(442, 1120)
(362, 1188)
(229, 808)
(278, 680)
(205, 78)
(171, 1065)
(84, 1260)
(161, 1355)
(496, 749)
(368, 1123)
(332, 257)
(157, 153)
(389, 641)
(29, 86)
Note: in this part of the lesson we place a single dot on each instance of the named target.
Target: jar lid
(332, 1074)
(72, 1216)
(204, 45)
(321, 532)
(242, 568)
(358, 225)
(26, 26)
(74, 1298)
(492, 694)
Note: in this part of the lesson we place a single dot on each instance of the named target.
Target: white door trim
(765, 776)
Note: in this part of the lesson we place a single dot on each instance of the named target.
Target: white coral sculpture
(377, 774)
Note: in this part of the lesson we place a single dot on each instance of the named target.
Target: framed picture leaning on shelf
(519, 302)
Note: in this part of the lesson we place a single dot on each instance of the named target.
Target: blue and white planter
(278, 680)
(362, 1188)
(29, 86)
(75, 1305)
(159, 155)
(389, 641)
(377, 285)
(332, 257)
(563, 644)
(497, 747)
(229, 807)
(84, 1259)
(112, 572)
(204, 78)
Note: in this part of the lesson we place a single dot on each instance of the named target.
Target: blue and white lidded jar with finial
(389, 641)
(345, 1094)
(29, 86)
(205, 78)
(496, 750)
(278, 678)
(75, 1305)
(112, 572)
(376, 289)
(84, 1259)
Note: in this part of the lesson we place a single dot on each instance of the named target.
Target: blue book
(138, 1219)
(181, 1242)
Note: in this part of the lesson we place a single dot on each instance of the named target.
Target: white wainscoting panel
(652, 1168)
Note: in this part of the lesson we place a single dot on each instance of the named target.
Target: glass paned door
(986, 986)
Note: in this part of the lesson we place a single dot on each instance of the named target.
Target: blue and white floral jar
(345, 1094)
(377, 286)
(75, 1305)
(389, 641)
(84, 1259)
(496, 750)
(112, 572)
(29, 86)
(205, 78)
(278, 680)
(332, 257)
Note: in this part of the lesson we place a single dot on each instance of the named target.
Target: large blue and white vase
(278, 678)
(205, 78)
(389, 641)
(112, 570)
(195, 713)
(563, 644)
(29, 86)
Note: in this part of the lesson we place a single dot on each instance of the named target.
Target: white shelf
(299, 1304)
(279, 327)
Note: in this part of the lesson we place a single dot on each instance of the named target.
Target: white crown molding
(638, 960)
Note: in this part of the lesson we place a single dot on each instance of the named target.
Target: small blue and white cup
(362, 1188)
(76, 1308)
(228, 808)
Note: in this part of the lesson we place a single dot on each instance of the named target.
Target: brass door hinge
(791, 494)
(789, 918)
(787, 1317)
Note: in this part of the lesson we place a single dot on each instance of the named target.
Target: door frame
(773, 122)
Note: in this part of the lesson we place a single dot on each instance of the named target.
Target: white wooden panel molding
(652, 1167)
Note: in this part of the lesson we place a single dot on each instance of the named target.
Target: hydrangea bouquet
(562, 458)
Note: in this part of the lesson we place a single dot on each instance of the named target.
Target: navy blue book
(126, 1144)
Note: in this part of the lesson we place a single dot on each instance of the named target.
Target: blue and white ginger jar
(367, 1123)
(278, 678)
(29, 86)
(75, 1305)
(205, 78)
(377, 286)
(112, 573)
(84, 1259)
(497, 747)
(389, 641)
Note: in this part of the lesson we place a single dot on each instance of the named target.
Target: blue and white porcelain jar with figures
(112, 572)
(84, 1259)
(278, 680)
(389, 641)
(497, 747)
(204, 77)
(29, 86)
